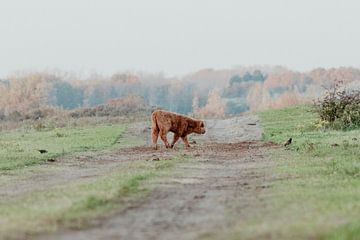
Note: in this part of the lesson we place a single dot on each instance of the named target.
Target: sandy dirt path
(222, 183)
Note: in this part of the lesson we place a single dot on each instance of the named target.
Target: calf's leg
(176, 137)
(186, 142)
(163, 138)
(154, 136)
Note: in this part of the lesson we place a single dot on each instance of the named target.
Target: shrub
(339, 107)
(130, 105)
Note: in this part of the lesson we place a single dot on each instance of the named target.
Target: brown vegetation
(206, 93)
(213, 108)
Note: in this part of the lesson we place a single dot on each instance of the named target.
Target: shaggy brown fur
(163, 122)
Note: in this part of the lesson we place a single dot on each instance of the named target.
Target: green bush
(339, 108)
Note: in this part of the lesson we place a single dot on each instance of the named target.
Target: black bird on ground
(288, 142)
(42, 151)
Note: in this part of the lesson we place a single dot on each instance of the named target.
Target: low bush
(339, 108)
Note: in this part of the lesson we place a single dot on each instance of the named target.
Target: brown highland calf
(163, 122)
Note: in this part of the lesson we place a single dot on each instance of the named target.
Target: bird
(42, 151)
(288, 142)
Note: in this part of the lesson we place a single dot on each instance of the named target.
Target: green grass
(77, 203)
(318, 195)
(74, 204)
(18, 148)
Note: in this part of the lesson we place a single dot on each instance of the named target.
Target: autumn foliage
(208, 93)
(213, 108)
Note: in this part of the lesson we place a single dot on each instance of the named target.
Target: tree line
(206, 92)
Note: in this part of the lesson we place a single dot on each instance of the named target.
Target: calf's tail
(154, 126)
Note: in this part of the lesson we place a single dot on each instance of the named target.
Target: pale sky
(176, 37)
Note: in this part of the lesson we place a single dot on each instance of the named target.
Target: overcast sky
(177, 36)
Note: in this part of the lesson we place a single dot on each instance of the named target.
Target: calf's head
(198, 127)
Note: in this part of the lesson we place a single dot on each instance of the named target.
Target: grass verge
(18, 148)
(319, 194)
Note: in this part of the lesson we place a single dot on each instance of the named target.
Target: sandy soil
(229, 171)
